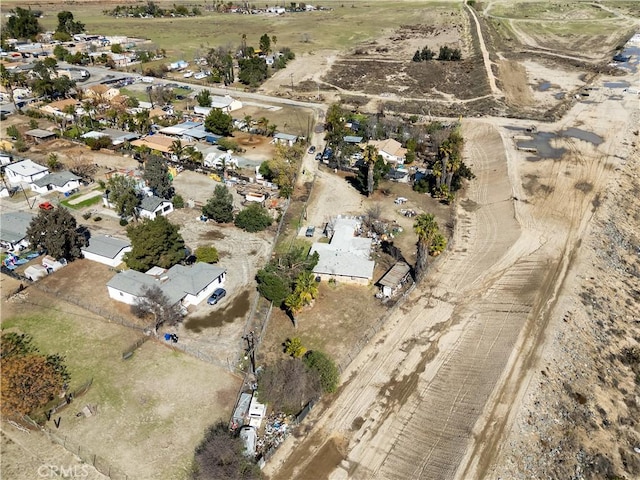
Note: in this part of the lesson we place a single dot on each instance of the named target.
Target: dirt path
(485, 54)
(463, 343)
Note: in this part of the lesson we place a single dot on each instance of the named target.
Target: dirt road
(433, 390)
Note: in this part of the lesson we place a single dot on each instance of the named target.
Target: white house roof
(346, 255)
(26, 168)
(106, 246)
(13, 226)
(59, 179)
(175, 283)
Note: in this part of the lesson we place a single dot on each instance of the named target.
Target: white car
(188, 74)
(400, 200)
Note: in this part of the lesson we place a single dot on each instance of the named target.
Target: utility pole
(251, 349)
(291, 75)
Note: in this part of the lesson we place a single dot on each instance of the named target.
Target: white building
(62, 182)
(346, 257)
(188, 285)
(24, 172)
(106, 249)
(13, 230)
(152, 207)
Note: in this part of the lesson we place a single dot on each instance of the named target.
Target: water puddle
(540, 144)
(582, 135)
(221, 314)
(543, 86)
(620, 84)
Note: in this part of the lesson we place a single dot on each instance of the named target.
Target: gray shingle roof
(151, 203)
(176, 283)
(59, 179)
(13, 226)
(105, 246)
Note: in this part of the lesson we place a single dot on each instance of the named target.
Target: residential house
(390, 149)
(152, 206)
(63, 182)
(13, 230)
(117, 136)
(346, 257)
(158, 143)
(57, 108)
(188, 285)
(180, 129)
(285, 138)
(106, 249)
(102, 93)
(226, 104)
(40, 135)
(24, 172)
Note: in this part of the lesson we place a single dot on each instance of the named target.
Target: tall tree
(154, 243)
(265, 44)
(204, 98)
(177, 149)
(427, 229)
(220, 206)
(56, 231)
(29, 379)
(254, 218)
(156, 174)
(370, 157)
(23, 24)
(121, 192)
(67, 26)
(218, 122)
(193, 155)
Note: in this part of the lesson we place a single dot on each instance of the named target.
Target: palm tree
(294, 305)
(71, 110)
(88, 106)
(370, 157)
(192, 154)
(427, 228)
(143, 123)
(177, 149)
(306, 287)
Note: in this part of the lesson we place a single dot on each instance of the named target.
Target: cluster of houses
(187, 285)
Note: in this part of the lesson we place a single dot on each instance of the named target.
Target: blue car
(216, 296)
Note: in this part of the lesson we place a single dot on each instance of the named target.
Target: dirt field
(144, 409)
(434, 398)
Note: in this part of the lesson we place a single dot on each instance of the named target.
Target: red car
(45, 206)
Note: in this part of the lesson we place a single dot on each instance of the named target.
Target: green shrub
(207, 254)
(326, 367)
(254, 218)
(86, 215)
(97, 219)
(124, 222)
(178, 201)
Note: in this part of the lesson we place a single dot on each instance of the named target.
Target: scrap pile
(276, 430)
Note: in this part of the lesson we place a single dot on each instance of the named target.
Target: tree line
(446, 54)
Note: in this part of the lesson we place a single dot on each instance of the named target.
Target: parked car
(312, 149)
(217, 296)
(318, 156)
(45, 206)
(310, 231)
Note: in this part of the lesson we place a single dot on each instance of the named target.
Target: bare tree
(155, 307)
(289, 385)
(82, 166)
(220, 455)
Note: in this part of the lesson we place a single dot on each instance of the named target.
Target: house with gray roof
(151, 207)
(106, 249)
(40, 135)
(346, 257)
(285, 138)
(187, 285)
(13, 230)
(63, 182)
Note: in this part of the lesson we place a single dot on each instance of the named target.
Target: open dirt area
(434, 395)
(518, 356)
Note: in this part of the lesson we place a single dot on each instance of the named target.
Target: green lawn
(85, 203)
